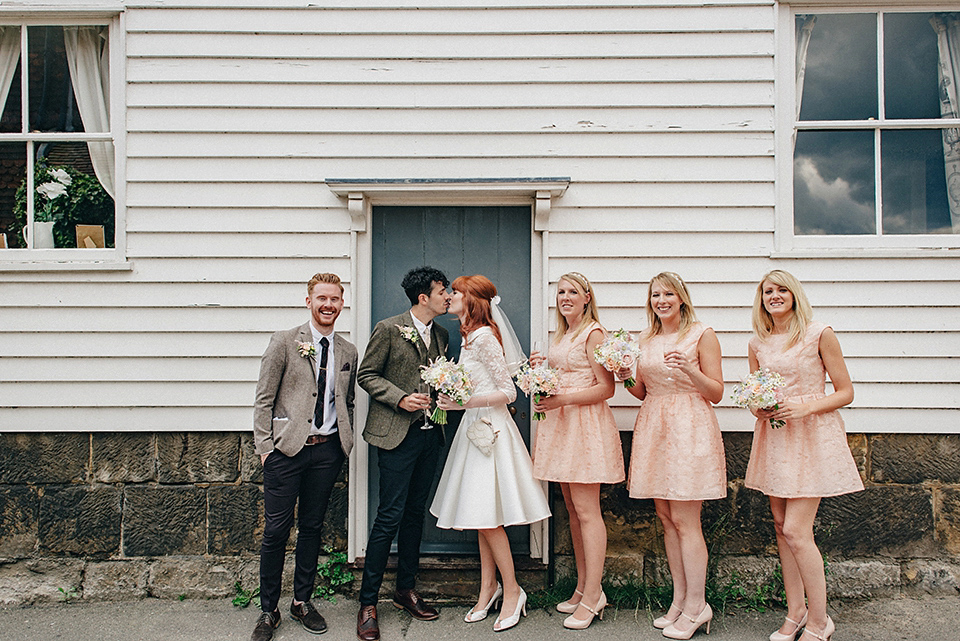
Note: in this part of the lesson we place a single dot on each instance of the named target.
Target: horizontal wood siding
(661, 113)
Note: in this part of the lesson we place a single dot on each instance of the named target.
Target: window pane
(13, 173)
(833, 183)
(52, 105)
(10, 55)
(914, 183)
(910, 60)
(841, 69)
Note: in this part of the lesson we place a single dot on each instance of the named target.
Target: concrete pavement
(892, 619)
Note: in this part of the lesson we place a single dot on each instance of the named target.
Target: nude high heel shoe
(479, 615)
(569, 608)
(662, 622)
(513, 619)
(705, 616)
(776, 636)
(574, 623)
(824, 635)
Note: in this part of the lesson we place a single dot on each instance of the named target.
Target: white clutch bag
(482, 435)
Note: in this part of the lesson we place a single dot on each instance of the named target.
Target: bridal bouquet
(447, 378)
(538, 382)
(617, 351)
(763, 389)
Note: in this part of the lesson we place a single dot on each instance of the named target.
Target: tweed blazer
(390, 370)
(287, 392)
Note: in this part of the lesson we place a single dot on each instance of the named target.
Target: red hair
(477, 293)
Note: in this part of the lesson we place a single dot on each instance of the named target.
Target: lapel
(305, 335)
(407, 317)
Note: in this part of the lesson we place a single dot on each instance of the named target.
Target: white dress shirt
(329, 407)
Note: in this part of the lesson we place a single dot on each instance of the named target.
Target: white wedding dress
(478, 491)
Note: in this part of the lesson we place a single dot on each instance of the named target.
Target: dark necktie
(321, 383)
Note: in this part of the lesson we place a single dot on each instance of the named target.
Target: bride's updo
(477, 292)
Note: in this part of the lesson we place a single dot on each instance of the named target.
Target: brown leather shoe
(368, 629)
(410, 601)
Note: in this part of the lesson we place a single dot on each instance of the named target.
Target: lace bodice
(799, 364)
(569, 355)
(482, 357)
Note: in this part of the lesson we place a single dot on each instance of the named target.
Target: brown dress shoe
(367, 627)
(410, 601)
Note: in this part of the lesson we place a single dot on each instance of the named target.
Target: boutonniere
(306, 349)
(409, 333)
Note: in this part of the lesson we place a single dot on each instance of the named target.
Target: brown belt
(317, 439)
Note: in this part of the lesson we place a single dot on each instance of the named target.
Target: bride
(488, 485)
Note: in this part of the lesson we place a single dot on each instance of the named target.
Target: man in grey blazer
(303, 431)
(408, 444)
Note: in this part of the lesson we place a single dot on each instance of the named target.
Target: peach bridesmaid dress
(808, 457)
(577, 443)
(677, 451)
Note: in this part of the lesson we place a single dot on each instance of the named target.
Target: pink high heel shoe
(705, 616)
(824, 635)
(569, 608)
(778, 636)
(574, 623)
(662, 622)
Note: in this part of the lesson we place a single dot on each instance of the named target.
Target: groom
(408, 445)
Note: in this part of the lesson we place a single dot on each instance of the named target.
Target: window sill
(867, 252)
(64, 264)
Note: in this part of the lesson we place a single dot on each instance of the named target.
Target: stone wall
(121, 516)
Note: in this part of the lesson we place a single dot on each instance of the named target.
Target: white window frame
(786, 242)
(70, 259)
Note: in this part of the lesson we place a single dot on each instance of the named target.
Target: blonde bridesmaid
(677, 455)
(577, 444)
(808, 458)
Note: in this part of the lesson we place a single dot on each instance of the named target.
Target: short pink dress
(577, 443)
(808, 457)
(677, 451)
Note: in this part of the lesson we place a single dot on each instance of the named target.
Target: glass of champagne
(668, 344)
(424, 388)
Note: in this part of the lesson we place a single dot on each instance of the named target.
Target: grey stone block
(884, 520)
(736, 447)
(19, 507)
(915, 458)
(235, 519)
(44, 458)
(193, 577)
(80, 521)
(857, 579)
(251, 471)
(748, 572)
(198, 457)
(741, 524)
(334, 532)
(948, 519)
(938, 578)
(124, 457)
(40, 581)
(160, 520)
(115, 580)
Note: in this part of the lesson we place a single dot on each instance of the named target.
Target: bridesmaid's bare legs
(501, 558)
(684, 519)
(577, 538)
(800, 560)
(671, 543)
(586, 503)
(488, 573)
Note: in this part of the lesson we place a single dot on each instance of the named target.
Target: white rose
(62, 176)
(52, 190)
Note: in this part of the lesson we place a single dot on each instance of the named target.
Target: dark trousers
(309, 476)
(406, 475)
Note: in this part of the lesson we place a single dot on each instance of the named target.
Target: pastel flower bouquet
(617, 351)
(447, 378)
(761, 390)
(538, 382)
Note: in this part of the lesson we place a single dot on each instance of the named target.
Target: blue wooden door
(493, 241)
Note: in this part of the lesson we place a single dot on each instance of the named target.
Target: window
(876, 129)
(57, 159)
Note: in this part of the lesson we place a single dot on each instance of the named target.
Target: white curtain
(9, 55)
(88, 57)
(804, 31)
(947, 27)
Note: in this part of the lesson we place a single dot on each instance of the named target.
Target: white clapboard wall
(661, 113)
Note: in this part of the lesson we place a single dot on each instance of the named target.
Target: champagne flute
(668, 345)
(424, 388)
(538, 348)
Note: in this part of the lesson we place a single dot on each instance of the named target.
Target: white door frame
(361, 196)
